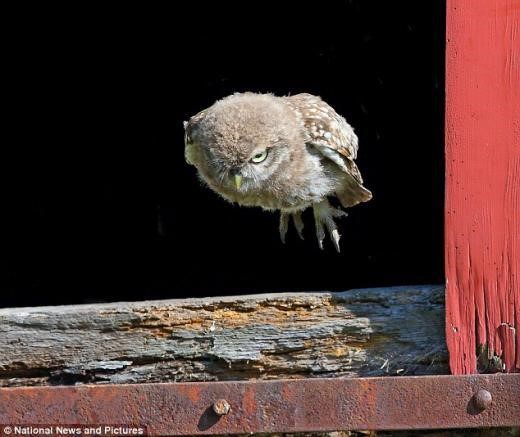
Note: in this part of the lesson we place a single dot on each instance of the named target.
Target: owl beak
(238, 181)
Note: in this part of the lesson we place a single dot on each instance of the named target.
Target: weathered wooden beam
(395, 331)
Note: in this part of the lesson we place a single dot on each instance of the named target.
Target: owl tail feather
(353, 193)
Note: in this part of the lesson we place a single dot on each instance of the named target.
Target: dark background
(99, 205)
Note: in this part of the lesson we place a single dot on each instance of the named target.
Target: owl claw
(284, 225)
(298, 224)
(324, 214)
(334, 235)
(320, 232)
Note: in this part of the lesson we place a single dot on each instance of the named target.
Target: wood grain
(382, 331)
(483, 185)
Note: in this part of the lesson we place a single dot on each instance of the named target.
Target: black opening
(101, 205)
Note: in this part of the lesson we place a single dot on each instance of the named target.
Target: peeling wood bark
(397, 330)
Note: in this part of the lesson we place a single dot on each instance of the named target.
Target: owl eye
(259, 157)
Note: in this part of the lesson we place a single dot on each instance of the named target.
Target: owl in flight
(278, 153)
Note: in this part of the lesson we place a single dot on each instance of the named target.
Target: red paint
(483, 181)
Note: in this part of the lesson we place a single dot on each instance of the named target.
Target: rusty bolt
(482, 399)
(221, 407)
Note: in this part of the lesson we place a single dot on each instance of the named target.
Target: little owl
(278, 153)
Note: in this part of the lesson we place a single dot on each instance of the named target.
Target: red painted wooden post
(483, 182)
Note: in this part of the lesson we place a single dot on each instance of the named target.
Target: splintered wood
(483, 185)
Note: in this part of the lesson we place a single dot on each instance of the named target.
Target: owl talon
(321, 236)
(324, 214)
(334, 235)
(298, 224)
(320, 231)
(284, 225)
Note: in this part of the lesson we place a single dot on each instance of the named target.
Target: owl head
(243, 140)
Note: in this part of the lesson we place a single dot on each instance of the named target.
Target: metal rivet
(483, 399)
(221, 407)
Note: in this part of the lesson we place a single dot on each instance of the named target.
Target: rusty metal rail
(273, 406)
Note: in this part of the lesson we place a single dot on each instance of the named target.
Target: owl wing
(325, 126)
(331, 135)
